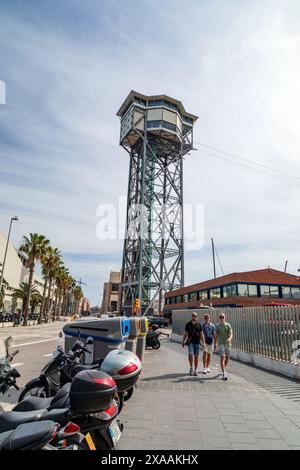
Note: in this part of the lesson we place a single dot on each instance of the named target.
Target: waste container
(107, 333)
(141, 339)
(135, 328)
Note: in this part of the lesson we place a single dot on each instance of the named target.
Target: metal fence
(272, 332)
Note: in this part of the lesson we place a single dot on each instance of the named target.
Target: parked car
(160, 321)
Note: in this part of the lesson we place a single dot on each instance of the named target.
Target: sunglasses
(221, 317)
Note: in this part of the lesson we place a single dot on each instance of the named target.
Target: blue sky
(68, 65)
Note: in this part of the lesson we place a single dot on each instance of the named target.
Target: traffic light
(136, 305)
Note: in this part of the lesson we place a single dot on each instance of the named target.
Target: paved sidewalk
(171, 410)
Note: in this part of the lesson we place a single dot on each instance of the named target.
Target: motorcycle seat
(60, 400)
(29, 435)
(81, 367)
(11, 419)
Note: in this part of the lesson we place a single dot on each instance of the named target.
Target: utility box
(107, 333)
(135, 328)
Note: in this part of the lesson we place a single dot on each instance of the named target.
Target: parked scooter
(8, 374)
(124, 366)
(45, 435)
(152, 339)
(88, 402)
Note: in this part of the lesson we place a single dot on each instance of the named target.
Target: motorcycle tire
(128, 394)
(27, 392)
(155, 344)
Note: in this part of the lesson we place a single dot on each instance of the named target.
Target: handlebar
(13, 354)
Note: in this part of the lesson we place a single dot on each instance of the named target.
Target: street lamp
(15, 218)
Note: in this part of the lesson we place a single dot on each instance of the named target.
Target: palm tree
(50, 263)
(23, 292)
(78, 294)
(36, 300)
(33, 249)
(61, 277)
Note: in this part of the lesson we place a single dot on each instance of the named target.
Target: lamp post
(15, 218)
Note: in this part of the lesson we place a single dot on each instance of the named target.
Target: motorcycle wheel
(128, 394)
(35, 389)
(155, 344)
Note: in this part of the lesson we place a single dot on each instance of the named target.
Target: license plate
(115, 431)
(90, 441)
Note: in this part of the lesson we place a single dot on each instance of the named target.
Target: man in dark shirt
(193, 337)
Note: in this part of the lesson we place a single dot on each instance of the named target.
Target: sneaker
(191, 371)
(195, 373)
(208, 370)
(204, 370)
(225, 376)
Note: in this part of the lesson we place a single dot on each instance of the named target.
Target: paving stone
(187, 445)
(273, 444)
(241, 446)
(242, 438)
(233, 427)
(216, 442)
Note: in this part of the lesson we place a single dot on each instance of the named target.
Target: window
(151, 124)
(193, 296)
(274, 291)
(178, 299)
(215, 293)
(185, 298)
(286, 292)
(229, 291)
(167, 300)
(265, 291)
(243, 290)
(115, 287)
(252, 290)
(172, 300)
(295, 292)
(203, 295)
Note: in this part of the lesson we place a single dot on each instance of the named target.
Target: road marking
(35, 342)
(18, 364)
(47, 355)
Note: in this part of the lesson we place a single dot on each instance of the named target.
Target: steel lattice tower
(157, 132)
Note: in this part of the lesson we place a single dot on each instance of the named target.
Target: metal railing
(272, 332)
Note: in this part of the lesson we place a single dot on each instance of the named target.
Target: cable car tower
(157, 132)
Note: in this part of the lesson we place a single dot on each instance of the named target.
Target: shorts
(194, 349)
(224, 350)
(208, 348)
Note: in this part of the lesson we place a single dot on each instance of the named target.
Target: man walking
(223, 337)
(193, 337)
(209, 333)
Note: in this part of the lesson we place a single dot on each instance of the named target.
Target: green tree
(24, 291)
(33, 248)
(50, 262)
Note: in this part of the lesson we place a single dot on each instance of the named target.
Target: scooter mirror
(60, 335)
(8, 343)
(90, 340)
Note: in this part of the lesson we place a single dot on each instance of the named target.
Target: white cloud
(235, 64)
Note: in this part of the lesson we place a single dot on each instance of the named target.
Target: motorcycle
(45, 435)
(124, 366)
(8, 374)
(88, 402)
(152, 339)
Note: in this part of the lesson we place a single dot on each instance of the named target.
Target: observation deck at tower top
(166, 117)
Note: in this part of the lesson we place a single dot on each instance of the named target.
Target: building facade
(15, 272)
(111, 293)
(246, 289)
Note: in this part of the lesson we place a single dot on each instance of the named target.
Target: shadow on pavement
(177, 378)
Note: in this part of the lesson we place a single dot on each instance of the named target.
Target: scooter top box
(124, 367)
(108, 330)
(92, 391)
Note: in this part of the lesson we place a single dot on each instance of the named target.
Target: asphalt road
(35, 345)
